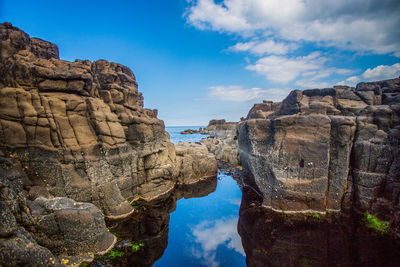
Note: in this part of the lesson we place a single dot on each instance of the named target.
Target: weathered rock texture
(276, 239)
(222, 141)
(79, 132)
(221, 129)
(326, 149)
(45, 231)
(263, 110)
(194, 162)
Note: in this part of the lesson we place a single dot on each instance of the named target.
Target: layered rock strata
(78, 132)
(327, 149)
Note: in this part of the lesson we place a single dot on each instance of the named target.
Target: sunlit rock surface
(327, 149)
(76, 132)
(222, 141)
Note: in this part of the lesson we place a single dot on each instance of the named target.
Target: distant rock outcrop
(190, 131)
(327, 149)
(222, 141)
(78, 132)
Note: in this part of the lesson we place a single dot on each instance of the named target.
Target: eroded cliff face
(326, 149)
(77, 132)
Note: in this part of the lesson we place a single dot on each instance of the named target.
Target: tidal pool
(203, 231)
(198, 225)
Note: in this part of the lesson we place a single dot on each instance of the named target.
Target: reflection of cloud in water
(211, 234)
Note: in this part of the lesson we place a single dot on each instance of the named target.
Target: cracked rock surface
(77, 132)
(329, 149)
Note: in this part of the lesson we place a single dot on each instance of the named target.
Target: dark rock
(44, 49)
(190, 131)
(330, 149)
(276, 239)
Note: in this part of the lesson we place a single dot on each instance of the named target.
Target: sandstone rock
(221, 128)
(79, 128)
(194, 161)
(324, 149)
(222, 141)
(263, 110)
(44, 231)
(70, 227)
(77, 132)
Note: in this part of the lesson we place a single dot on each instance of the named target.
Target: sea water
(203, 231)
(176, 136)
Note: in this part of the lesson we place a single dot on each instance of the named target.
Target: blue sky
(202, 60)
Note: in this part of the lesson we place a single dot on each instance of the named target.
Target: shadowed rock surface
(330, 149)
(276, 239)
(78, 132)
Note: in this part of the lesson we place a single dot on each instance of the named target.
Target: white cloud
(239, 94)
(277, 32)
(360, 25)
(263, 47)
(212, 234)
(381, 72)
(208, 15)
(285, 69)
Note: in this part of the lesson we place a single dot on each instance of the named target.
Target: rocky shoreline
(76, 145)
(80, 156)
(327, 150)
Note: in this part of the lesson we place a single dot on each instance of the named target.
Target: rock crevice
(79, 133)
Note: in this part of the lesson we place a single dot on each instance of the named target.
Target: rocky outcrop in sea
(76, 145)
(322, 150)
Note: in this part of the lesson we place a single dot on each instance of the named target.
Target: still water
(203, 231)
(199, 225)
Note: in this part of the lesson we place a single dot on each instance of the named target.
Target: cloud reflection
(211, 234)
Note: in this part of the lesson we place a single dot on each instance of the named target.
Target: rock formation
(222, 141)
(326, 149)
(190, 131)
(276, 239)
(75, 132)
(151, 225)
(263, 110)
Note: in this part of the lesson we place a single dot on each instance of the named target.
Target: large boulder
(194, 161)
(46, 231)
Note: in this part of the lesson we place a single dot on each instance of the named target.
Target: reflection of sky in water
(211, 234)
(203, 231)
